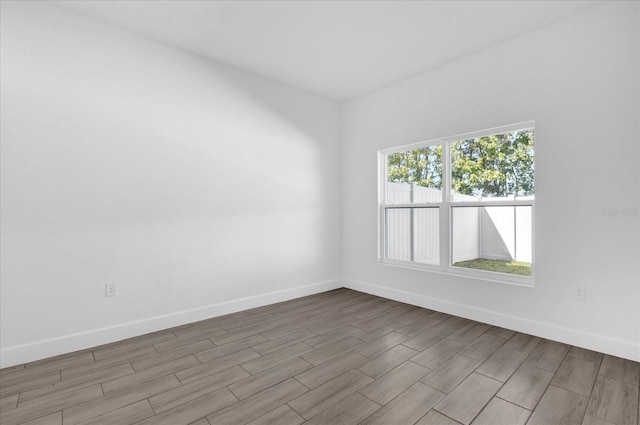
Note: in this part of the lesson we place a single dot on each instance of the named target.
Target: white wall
(196, 187)
(579, 80)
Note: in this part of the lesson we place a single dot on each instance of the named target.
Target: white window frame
(445, 207)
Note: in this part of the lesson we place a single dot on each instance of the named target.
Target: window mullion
(445, 231)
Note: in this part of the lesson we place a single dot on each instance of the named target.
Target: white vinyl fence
(495, 233)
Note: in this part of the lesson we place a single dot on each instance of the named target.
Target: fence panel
(497, 233)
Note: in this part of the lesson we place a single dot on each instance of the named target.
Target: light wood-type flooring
(336, 358)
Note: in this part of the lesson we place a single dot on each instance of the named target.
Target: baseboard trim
(592, 341)
(25, 353)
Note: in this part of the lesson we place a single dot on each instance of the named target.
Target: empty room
(319, 212)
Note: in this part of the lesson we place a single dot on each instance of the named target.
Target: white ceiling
(338, 49)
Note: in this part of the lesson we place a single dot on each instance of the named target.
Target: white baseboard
(592, 341)
(25, 353)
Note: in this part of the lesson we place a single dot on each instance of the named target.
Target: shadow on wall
(186, 181)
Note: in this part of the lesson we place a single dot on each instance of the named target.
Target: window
(462, 204)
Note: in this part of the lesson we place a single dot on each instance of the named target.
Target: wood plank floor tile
(526, 386)
(431, 336)
(52, 419)
(176, 353)
(283, 342)
(407, 408)
(258, 404)
(326, 395)
(124, 416)
(440, 315)
(275, 358)
(502, 363)
(240, 334)
(283, 415)
(621, 369)
(282, 330)
(400, 310)
(58, 363)
(500, 412)
(246, 322)
(393, 383)
(234, 347)
(438, 353)
(523, 342)
(140, 340)
(436, 418)
(418, 326)
(186, 340)
(192, 330)
(83, 412)
(9, 402)
(614, 401)
(135, 354)
(328, 370)
(350, 411)
(559, 406)
(162, 369)
(48, 404)
(16, 384)
(412, 316)
(193, 410)
(483, 347)
(577, 375)
(547, 355)
(450, 373)
(331, 322)
(585, 354)
(592, 420)
(321, 355)
(7, 371)
(123, 355)
(501, 332)
(88, 379)
(196, 389)
(376, 333)
(382, 344)
(331, 336)
(467, 400)
(123, 349)
(386, 361)
(469, 332)
(253, 384)
(234, 359)
(63, 393)
(370, 324)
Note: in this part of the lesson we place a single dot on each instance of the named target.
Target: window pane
(414, 176)
(413, 234)
(398, 237)
(500, 166)
(495, 239)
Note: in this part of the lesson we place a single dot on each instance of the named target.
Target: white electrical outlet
(110, 290)
(318, 260)
(579, 292)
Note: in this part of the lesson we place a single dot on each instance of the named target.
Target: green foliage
(422, 166)
(497, 165)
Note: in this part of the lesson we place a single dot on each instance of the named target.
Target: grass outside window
(500, 266)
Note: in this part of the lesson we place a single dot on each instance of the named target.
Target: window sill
(487, 276)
